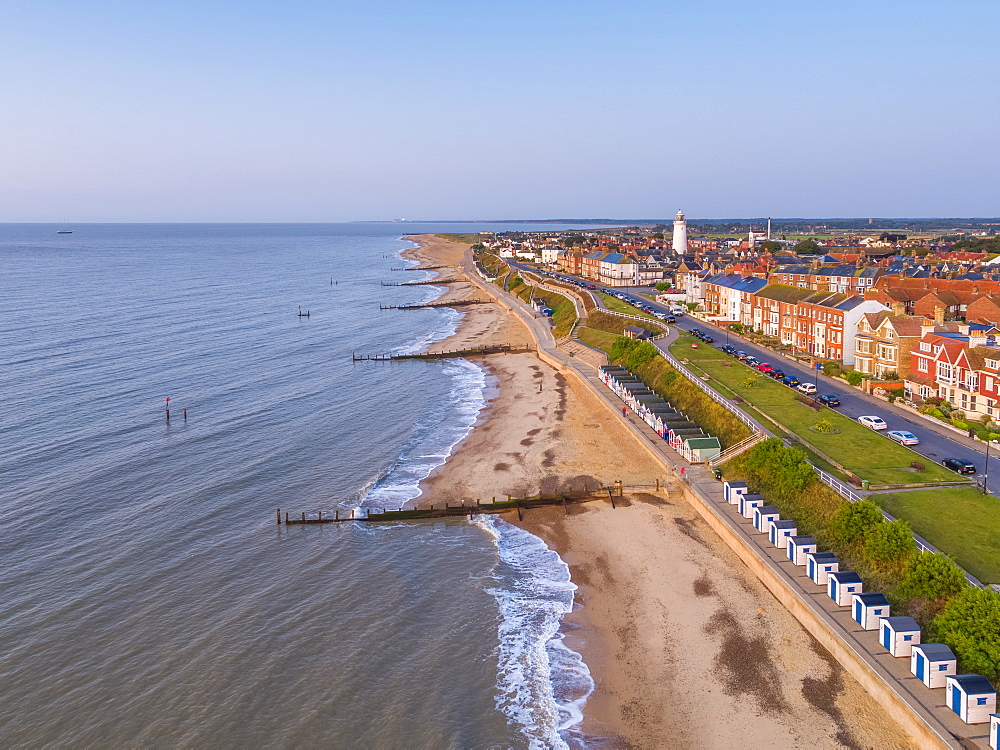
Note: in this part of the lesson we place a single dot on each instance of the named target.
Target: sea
(150, 599)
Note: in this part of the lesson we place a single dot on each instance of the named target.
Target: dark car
(671, 319)
(728, 349)
(707, 339)
(959, 466)
(829, 399)
(742, 356)
(695, 331)
(790, 380)
(776, 374)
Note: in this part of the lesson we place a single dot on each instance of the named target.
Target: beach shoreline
(686, 647)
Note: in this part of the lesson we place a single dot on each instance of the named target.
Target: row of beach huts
(971, 696)
(683, 435)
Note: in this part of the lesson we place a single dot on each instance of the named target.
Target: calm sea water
(149, 598)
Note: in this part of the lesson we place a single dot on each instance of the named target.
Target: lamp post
(986, 464)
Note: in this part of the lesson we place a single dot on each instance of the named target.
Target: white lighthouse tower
(680, 243)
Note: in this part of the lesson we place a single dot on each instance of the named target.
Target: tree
(831, 368)
(662, 286)
(889, 542)
(770, 246)
(931, 575)
(854, 521)
(807, 247)
(970, 624)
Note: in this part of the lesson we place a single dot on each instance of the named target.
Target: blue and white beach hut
(933, 664)
(819, 565)
(780, 531)
(995, 731)
(750, 503)
(763, 516)
(843, 585)
(971, 696)
(899, 635)
(731, 490)
(798, 547)
(869, 609)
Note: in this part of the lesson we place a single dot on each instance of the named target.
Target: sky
(377, 110)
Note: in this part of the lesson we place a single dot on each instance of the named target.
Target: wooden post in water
(303, 516)
(286, 519)
(185, 414)
(279, 516)
(321, 516)
(336, 515)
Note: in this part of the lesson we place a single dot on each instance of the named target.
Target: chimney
(939, 315)
(977, 338)
(898, 308)
(926, 326)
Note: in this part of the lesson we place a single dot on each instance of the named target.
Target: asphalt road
(933, 445)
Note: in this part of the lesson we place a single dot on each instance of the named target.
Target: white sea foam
(542, 683)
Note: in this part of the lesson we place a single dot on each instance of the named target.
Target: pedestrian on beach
(624, 412)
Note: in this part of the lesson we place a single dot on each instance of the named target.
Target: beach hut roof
(802, 539)
(786, 524)
(822, 557)
(768, 509)
(902, 622)
(872, 600)
(936, 651)
(974, 684)
(846, 576)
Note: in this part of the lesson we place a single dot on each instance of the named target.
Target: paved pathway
(895, 672)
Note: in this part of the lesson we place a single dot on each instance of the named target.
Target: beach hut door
(812, 569)
(857, 611)
(920, 666)
(956, 700)
(887, 637)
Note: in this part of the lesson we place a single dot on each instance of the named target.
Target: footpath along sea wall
(927, 731)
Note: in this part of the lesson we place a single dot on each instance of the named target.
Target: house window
(922, 365)
(944, 371)
(925, 346)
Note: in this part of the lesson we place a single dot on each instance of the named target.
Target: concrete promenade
(919, 710)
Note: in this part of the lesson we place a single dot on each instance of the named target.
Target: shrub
(969, 623)
(936, 413)
(889, 542)
(959, 424)
(855, 521)
(825, 426)
(933, 400)
(831, 368)
(853, 377)
(750, 382)
(931, 575)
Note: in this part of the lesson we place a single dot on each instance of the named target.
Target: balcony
(968, 388)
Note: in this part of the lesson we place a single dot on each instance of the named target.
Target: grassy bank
(961, 520)
(616, 305)
(858, 449)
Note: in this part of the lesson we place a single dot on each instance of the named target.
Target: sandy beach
(688, 649)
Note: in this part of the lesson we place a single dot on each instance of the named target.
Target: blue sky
(329, 111)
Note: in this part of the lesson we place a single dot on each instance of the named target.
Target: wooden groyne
(464, 508)
(500, 349)
(453, 303)
(432, 282)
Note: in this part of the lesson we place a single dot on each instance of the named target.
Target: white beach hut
(899, 635)
(779, 532)
(763, 516)
(798, 547)
(750, 503)
(819, 565)
(869, 609)
(843, 585)
(995, 731)
(971, 696)
(732, 490)
(933, 663)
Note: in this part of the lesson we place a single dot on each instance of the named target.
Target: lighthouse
(680, 243)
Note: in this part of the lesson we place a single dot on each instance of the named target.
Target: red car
(765, 367)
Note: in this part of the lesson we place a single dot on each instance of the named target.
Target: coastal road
(935, 444)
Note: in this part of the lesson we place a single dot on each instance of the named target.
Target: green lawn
(596, 338)
(961, 520)
(862, 451)
(616, 305)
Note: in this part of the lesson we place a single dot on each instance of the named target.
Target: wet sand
(688, 649)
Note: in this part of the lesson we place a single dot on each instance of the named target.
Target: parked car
(806, 388)
(790, 380)
(728, 349)
(776, 374)
(765, 367)
(828, 399)
(875, 423)
(903, 437)
(671, 319)
(696, 332)
(707, 339)
(959, 466)
(742, 356)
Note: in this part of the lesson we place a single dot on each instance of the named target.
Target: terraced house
(821, 324)
(885, 340)
(960, 365)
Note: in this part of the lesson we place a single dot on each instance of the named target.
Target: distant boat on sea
(64, 231)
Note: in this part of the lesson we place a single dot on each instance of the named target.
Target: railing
(712, 393)
(741, 447)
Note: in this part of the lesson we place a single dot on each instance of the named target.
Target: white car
(807, 388)
(875, 423)
(903, 437)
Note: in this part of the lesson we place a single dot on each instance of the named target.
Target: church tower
(680, 243)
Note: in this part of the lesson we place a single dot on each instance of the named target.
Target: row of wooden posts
(462, 509)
